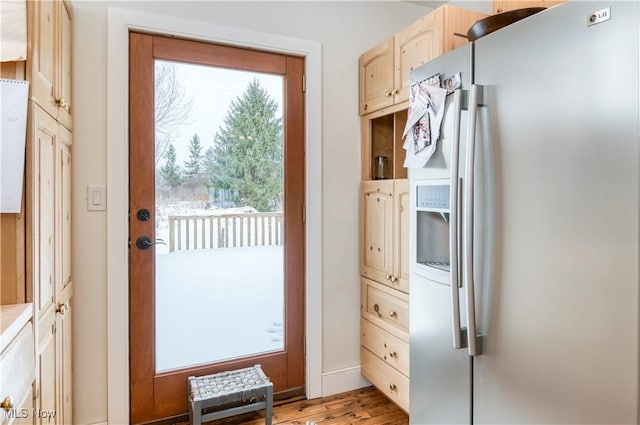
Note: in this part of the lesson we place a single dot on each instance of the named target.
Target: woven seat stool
(250, 386)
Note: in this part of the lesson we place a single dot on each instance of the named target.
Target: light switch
(96, 198)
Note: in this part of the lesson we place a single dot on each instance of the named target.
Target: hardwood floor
(366, 406)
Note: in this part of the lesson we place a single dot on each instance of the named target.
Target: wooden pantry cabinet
(385, 73)
(46, 219)
(384, 266)
(49, 258)
(385, 70)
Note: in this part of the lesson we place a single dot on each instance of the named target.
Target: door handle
(454, 202)
(467, 237)
(143, 242)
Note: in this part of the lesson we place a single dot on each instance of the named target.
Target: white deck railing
(225, 231)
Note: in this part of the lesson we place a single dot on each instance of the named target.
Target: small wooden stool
(249, 385)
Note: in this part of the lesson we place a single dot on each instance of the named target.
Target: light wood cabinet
(385, 232)
(49, 53)
(17, 363)
(377, 77)
(385, 76)
(387, 379)
(49, 256)
(384, 266)
(500, 6)
(48, 205)
(385, 70)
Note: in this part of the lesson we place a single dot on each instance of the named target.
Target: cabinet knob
(393, 314)
(7, 404)
(393, 279)
(63, 103)
(396, 91)
(387, 276)
(62, 308)
(393, 354)
(388, 93)
(392, 387)
(366, 106)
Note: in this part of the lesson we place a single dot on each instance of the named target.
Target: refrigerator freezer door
(561, 319)
(446, 66)
(440, 384)
(440, 374)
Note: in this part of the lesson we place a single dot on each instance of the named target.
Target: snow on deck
(217, 304)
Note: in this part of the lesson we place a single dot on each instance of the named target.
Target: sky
(212, 90)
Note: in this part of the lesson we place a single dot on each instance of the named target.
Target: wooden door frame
(121, 21)
(158, 395)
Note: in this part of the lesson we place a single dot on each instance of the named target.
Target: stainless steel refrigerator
(538, 166)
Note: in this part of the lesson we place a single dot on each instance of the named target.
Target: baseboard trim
(343, 380)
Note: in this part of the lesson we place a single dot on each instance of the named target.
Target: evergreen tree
(248, 151)
(193, 167)
(208, 166)
(171, 172)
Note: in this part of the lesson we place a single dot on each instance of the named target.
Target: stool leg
(196, 413)
(268, 412)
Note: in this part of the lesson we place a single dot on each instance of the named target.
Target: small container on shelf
(382, 163)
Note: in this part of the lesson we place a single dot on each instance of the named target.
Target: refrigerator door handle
(454, 203)
(467, 227)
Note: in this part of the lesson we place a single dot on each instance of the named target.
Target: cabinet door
(47, 369)
(401, 235)
(63, 215)
(42, 45)
(41, 207)
(65, 286)
(65, 357)
(415, 45)
(376, 220)
(376, 77)
(63, 63)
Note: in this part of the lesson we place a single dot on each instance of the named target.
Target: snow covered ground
(216, 304)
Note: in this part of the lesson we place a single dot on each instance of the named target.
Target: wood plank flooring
(366, 406)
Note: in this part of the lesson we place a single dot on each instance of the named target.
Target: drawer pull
(393, 354)
(7, 404)
(393, 314)
(376, 308)
(392, 387)
(62, 308)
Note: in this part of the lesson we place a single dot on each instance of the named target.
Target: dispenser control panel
(432, 197)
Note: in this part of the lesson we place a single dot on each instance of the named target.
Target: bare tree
(172, 108)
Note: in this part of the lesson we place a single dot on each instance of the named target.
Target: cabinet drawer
(388, 380)
(16, 379)
(385, 346)
(386, 308)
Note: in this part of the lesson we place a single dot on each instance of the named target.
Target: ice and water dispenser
(432, 230)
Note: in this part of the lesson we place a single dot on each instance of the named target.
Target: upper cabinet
(500, 6)
(377, 77)
(385, 70)
(49, 53)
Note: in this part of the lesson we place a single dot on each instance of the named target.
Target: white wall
(345, 29)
